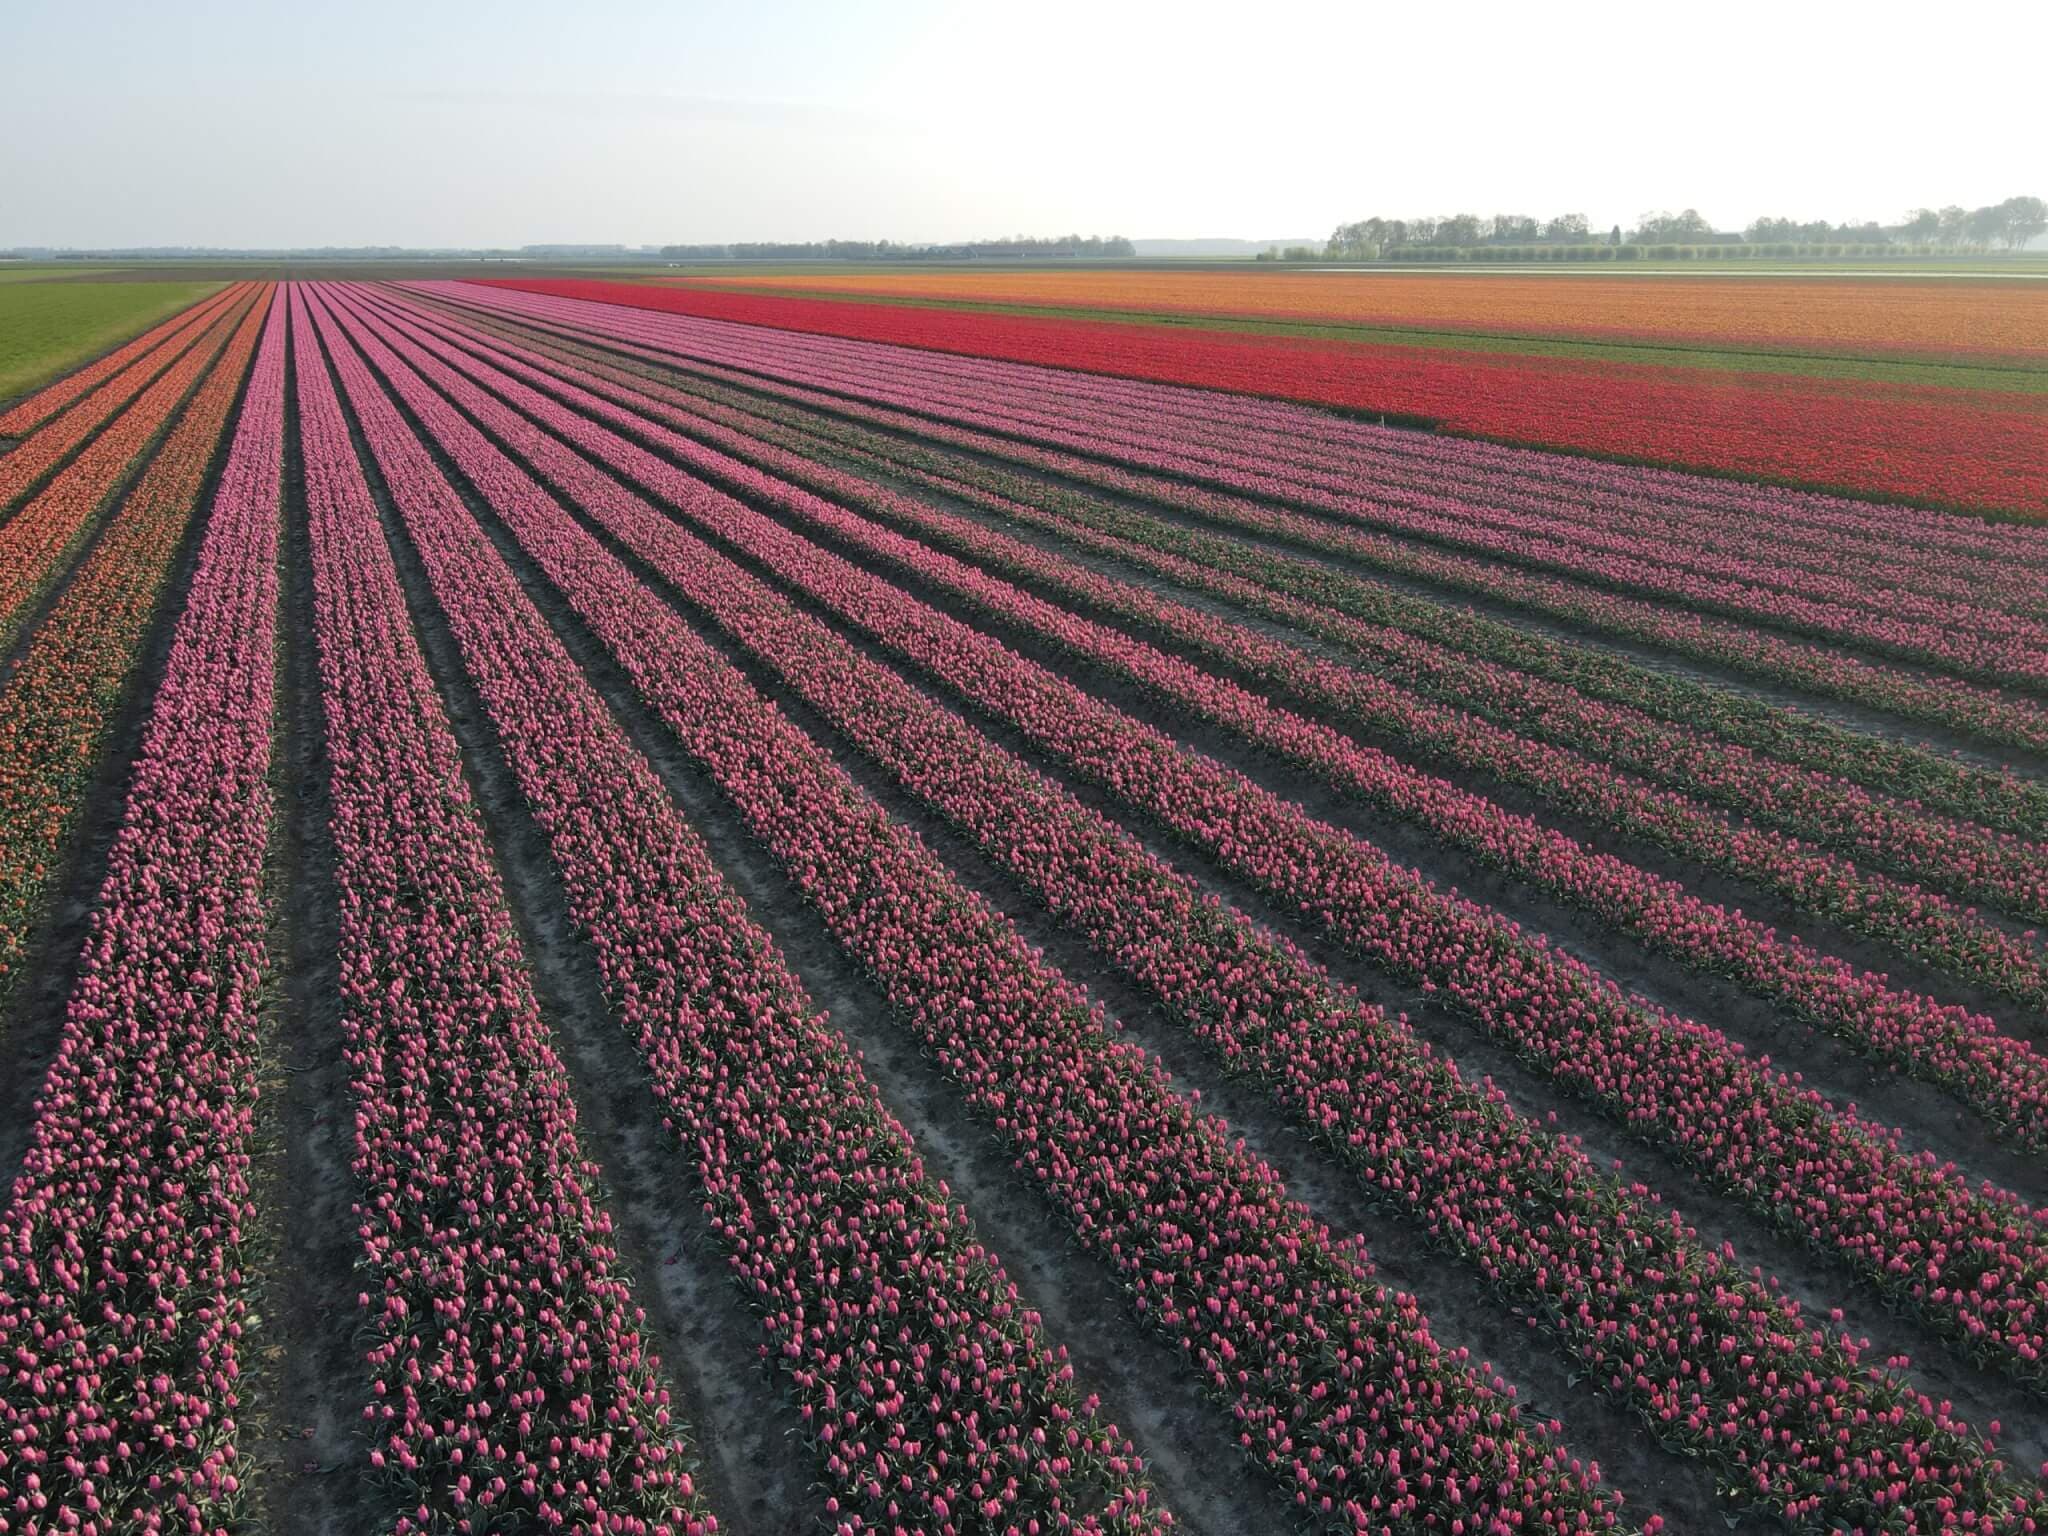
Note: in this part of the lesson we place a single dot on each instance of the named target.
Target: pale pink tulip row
(123, 1301)
(1338, 1386)
(1158, 470)
(1383, 624)
(1523, 1206)
(511, 1385)
(1913, 1229)
(2000, 1076)
(936, 1400)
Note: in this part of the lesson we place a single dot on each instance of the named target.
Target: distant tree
(1358, 241)
(1513, 229)
(1665, 228)
(1615, 237)
(2022, 218)
(1419, 232)
(1460, 229)
(1567, 226)
(1955, 224)
(1985, 225)
(1921, 226)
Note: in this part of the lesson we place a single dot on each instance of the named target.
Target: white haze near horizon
(241, 124)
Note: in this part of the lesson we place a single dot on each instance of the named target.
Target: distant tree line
(2008, 225)
(1075, 246)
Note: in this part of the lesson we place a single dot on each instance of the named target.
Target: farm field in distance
(1923, 389)
(975, 901)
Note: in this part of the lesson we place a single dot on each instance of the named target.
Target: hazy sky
(418, 123)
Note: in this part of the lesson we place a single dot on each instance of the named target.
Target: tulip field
(672, 909)
(1927, 392)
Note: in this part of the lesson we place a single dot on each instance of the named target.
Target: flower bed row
(1338, 1386)
(1912, 1229)
(59, 703)
(25, 465)
(1478, 663)
(1948, 702)
(122, 1294)
(1892, 441)
(38, 539)
(1523, 1206)
(936, 1400)
(511, 1382)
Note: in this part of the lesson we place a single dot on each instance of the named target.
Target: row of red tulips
(122, 1294)
(2002, 1077)
(1157, 471)
(41, 536)
(60, 701)
(511, 1382)
(1498, 670)
(1913, 1229)
(1337, 1386)
(1523, 1206)
(25, 465)
(937, 1402)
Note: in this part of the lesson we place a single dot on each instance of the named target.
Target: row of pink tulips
(1338, 1387)
(1913, 1229)
(937, 1402)
(1159, 472)
(511, 1382)
(122, 1295)
(1522, 1205)
(2000, 1076)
